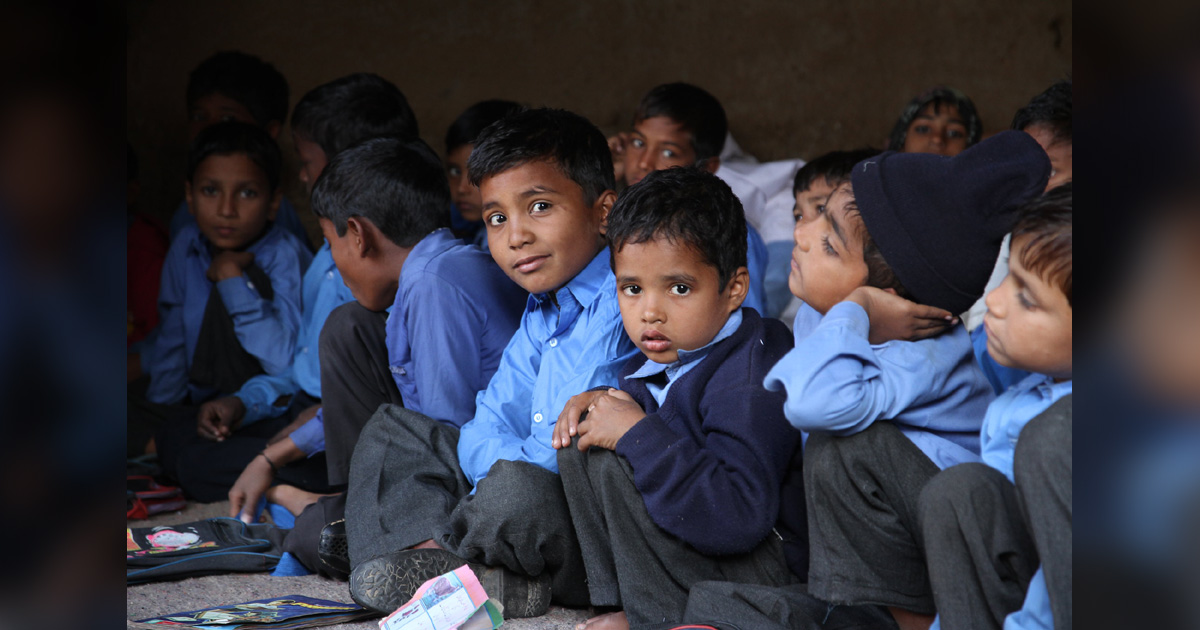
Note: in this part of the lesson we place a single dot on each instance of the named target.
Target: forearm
(263, 329)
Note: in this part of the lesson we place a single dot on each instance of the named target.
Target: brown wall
(797, 78)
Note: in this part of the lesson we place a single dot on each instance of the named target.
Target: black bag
(216, 545)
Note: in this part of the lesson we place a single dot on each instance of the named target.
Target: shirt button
(329, 274)
(553, 342)
(537, 417)
(304, 350)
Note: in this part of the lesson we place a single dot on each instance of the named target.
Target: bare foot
(909, 620)
(428, 544)
(293, 498)
(607, 621)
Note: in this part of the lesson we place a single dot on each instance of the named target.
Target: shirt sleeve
(310, 437)
(260, 393)
(501, 423)
(167, 359)
(267, 329)
(837, 382)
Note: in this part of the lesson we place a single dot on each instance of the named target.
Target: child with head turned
(998, 534)
(679, 124)
(673, 475)
(466, 215)
(883, 415)
(426, 497)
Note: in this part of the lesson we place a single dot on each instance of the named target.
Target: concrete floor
(159, 598)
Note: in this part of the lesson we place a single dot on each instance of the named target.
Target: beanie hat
(939, 221)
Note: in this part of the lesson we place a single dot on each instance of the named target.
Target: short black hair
(570, 141)
(254, 83)
(834, 166)
(1047, 221)
(351, 109)
(1052, 108)
(396, 184)
(937, 96)
(233, 138)
(683, 205)
(474, 119)
(697, 112)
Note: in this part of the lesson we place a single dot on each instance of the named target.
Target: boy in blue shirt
(466, 216)
(382, 206)
(678, 124)
(233, 85)
(882, 419)
(682, 479)
(235, 429)
(987, 527)
(425, 497)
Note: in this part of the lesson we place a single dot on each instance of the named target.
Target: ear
(360, 236)
(187, 194)
(739, 285)
(273, 129)
(712, 164)
(273, 209)
(604, 205)
(892, 291)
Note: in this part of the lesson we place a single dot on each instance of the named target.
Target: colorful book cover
(277, 613)
(451, 600)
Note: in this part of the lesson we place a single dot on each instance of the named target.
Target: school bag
(215, 545)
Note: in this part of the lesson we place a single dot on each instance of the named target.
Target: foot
(386, 583)
(607, 621)
(428, 544)
(909, 620)
(333, 551)
(292, 498)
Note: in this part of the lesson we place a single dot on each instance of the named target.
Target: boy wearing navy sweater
(675, 478)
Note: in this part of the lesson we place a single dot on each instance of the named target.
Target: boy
(678, 124)
(490, 493)
(382, 207)
(339, 113)
(984, 536)
(683, 478)
(230, 295)
(233, 85)
(907, 225)
(466, 217)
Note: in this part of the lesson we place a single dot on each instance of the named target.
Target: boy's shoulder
(762, 340)
(442, 256)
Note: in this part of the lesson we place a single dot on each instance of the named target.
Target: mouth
(226, 231)
(655, 341)
(530, 264)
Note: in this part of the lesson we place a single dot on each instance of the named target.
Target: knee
(342, 323)
(953, 490)
(1044, 446)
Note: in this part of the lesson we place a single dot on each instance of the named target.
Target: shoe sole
(386, 583)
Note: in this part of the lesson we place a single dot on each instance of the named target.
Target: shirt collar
(651, 368)
(585, 286)
(433, 244)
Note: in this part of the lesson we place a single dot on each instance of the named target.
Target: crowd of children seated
(573, 363)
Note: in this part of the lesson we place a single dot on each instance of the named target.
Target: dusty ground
(149, 600)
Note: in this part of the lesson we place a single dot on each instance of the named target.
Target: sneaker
(386, 583)
(333, 551)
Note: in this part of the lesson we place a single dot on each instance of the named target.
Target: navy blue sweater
(709, 463)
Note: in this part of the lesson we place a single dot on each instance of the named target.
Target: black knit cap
(939, 221)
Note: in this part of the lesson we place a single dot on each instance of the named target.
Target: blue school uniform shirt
(559, 351)
(455, 311)
(756, 269)
(838, 382)
(267, 330)
(322, 291)
(286, 217)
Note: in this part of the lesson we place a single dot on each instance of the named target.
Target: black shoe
(332, 550)
(388, 582)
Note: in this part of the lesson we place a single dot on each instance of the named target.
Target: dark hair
(683, 205)
(937, 97)
(1052, 108)
(237, 138)
(1047, 221)
(254, 83)
(396, 184)
(351, 109)
(879, 273)
(474, 119)
(834, 166)
(697, 112)
(568, 140)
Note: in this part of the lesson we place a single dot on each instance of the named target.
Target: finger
(236, 498)
(620, 394)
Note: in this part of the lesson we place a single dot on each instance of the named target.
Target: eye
(631, 290)
(921, 129)
(540, 206)
(454, 171)
(820, 209)
(248, 193)
(1025, 301)
(638, 143)
(828, 247)
(669, 154)
(680, 289)
(956, 133)
(496, 219)
(208, 190)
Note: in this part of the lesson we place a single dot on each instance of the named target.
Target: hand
(609, 418)
(616, 144)
(568, 420)
(895, 318)
(249, 488)
(229, 264)
(217, 419)
(302, 418)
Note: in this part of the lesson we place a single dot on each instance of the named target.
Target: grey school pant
(865, 542)
(406, 487)
(985, 536)
(631, 562)
(778, 608)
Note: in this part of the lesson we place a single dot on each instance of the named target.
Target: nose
(464, 185)
(519, 233)
(800, 235)
(993, 301)
(651, 313)
(226, 207)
